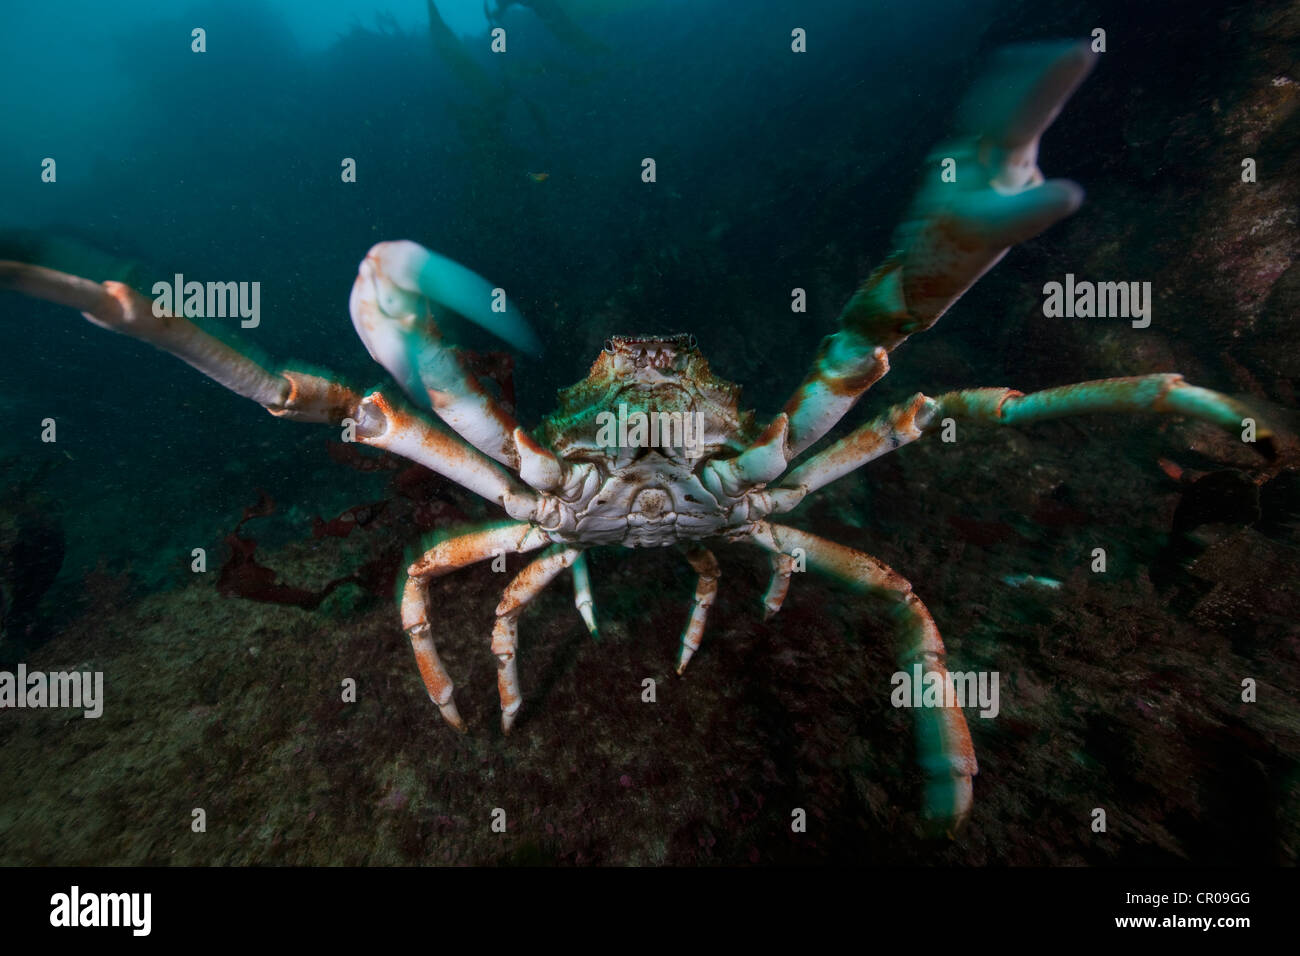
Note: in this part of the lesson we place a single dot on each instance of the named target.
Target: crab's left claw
(985, 192)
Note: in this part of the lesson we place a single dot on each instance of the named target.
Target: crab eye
(690, 341)
(609, 346)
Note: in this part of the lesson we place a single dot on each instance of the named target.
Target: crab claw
(764, 460)
(390, 308)
(960, 227)
(983, 193)
(542, 470)
(391, 314)
(538, 467)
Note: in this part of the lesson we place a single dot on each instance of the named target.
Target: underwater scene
(923, 375)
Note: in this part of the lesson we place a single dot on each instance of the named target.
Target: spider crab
(568, 489)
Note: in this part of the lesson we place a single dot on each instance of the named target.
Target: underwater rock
(32, 546)
(1276, 350)
(1279, 503)
(1224, 304)
(1252, 596)
(1221, 497)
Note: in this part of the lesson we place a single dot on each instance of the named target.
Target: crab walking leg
(582, 594)
(390, 306)
(957, 228)
(112, 305)
(514, 537)
(443, 558)
(706, 590)
(1168, 393)
(285, 394)
(946, 753)
(529, 583)
(779, 585)
(415, 621)
(119, 308)
(895, 428)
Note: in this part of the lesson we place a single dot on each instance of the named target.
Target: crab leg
(1167, 393)
(390, 304)
(529, 583)
(706, 590)
(957, 229)
(285, 394)
(582, 594)
(898, 426)
(946, 753)
(415, 621)
(779, 585)
(112, 305)
(445, 557)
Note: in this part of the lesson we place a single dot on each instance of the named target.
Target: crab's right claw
(390, 305)
(396, 285)
(984, 191)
